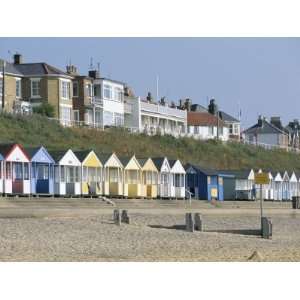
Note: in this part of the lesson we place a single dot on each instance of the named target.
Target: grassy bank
(36, 130)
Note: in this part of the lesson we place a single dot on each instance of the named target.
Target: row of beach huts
(37, 171)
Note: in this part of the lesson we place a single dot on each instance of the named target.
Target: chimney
(188, 104)
(276, 122)
(94, 74)
(212, 107)
(72, 70)
(260, 121)
(18, 59)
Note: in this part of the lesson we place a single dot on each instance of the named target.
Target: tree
(45, 109)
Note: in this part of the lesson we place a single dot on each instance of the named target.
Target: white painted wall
(204, 133)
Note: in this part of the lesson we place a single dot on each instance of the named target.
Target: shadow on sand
(231, 231)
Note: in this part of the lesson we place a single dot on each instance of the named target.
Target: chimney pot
(18, 59)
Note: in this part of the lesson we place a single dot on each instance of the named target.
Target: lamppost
(2, 64)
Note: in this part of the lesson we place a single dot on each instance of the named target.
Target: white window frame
(34, 80)
(107, 87)
(68, 90)
(18, 80)
(118, 94)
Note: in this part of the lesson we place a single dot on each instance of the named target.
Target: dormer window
(35, 87)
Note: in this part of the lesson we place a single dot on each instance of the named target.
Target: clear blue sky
(263, 74)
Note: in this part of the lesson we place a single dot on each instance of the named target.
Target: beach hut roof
(142, 161)
(81, 155)
(32, 151)
(104, 157)
(158, 161)
(6, 148)
(239, 174)
(205, 171)
(57, 155)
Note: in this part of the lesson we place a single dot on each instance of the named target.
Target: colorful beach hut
(164, 184)
(204, 183)
(149, 178)
(41, 170)
(113, 174)
(67, 169)
(177, 172)
(91, 172)
(16, 169)
(132, 186)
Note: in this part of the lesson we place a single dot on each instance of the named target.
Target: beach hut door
(164, 184)
(17, 182)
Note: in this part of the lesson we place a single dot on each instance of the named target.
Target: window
(118, 94)
(56, 173)
(196, 131)
(108, 118)
(178, 180)
(113, 175)
(208, 180)
(42, 171)
(89, 90)
(62, 174)
(76, 115)
(230, 128)
(26, 171)
(35, 88)
(97, 90)
(220, 180)
(65, 89)
(119, 119)
(236, 129)
(107, 91)
(65, 113)
(8, 170)
(17, 171)
(75, 89)
(132, 176)
(18, 88)
(77, 174)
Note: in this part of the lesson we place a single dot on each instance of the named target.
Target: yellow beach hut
(91, 172)
(132, 177)
(112, 174)
(149, 178)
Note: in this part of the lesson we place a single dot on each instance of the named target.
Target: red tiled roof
(203, 119)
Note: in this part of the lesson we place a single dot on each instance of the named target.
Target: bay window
(18, 88)
(107, 91)
(65, 89)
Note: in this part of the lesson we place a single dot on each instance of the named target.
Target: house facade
(205, 126)
(267, 134)
(27, 85)
(151, 117)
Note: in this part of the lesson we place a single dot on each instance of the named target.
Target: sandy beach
(149, 237)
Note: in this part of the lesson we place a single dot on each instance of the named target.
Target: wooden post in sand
(189, 222)
(198, 222)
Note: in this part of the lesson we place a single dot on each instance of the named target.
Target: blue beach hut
(204, 183)
(42, 166)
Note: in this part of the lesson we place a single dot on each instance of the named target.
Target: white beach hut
(277, 186)
(164, 186)
(293, 185)
(177, 179)
(67, 173)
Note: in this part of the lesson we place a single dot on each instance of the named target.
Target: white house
(152, 117)
(107, 105)
(205, 126)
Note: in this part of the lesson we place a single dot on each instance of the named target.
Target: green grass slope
(36, 130)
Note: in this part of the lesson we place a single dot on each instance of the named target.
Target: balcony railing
(163, 110)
